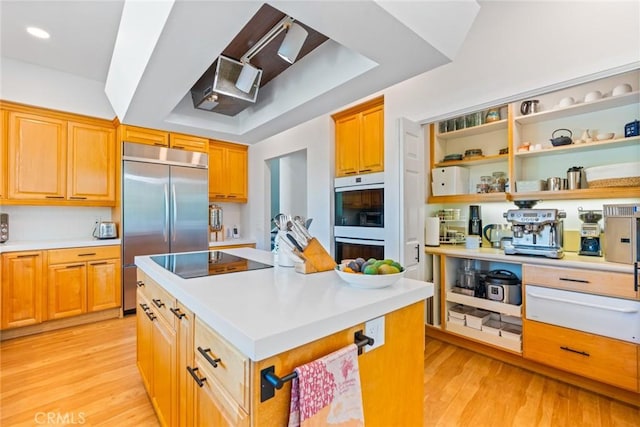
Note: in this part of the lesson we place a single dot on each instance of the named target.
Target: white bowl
(566, 102)
(593, 96)
(369, 281)
(604, 136)
(618, 170)
(621, 89)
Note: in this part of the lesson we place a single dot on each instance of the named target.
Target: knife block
(315, 258)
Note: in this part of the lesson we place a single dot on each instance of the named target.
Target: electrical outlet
(374, 329)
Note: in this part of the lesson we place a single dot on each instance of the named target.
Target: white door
(412, 198)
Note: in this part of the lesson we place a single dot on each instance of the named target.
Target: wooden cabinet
(600, 358)
(91, 164)
(161, 138)
(37, 157)
(3, 154)
(228, 172)
(185, 329)
(144, 136)
(58, 158)
(188, 142)
(83, 280)
(23, 294)
(144, 340)
(359, 139)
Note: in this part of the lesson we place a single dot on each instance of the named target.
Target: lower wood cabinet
(23, 296)
(600, 358)
(82, 280)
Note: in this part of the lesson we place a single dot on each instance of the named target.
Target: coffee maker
(590, 232)
(535, 231)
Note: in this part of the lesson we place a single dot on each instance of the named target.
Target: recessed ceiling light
(38, 32)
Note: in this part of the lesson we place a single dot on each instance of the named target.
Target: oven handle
(585, 304)
(359, 187)
(360, 241)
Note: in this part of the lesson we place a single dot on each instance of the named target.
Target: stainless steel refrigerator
(165, 206)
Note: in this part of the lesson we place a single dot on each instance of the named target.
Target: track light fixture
(292, 43)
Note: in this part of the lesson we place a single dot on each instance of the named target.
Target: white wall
(314, 136)
(293, 184)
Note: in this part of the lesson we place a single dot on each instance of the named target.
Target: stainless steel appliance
(105, 230)
(4, 227)
(503, 286)
(164, 206)
(535, 232)
(359, 216)
(622, 233)
(590, 232)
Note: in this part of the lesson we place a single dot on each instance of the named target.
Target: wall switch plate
(374, 329)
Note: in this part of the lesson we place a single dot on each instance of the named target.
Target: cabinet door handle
(418, 253)
(54, 197)
(150, 315)
(144, 307)
(568, 279)
(204, 352)
(365, 170)
(87, 254)
(636, 273)
(140, 284)
(158, 302)
(198, 380)
(180, 147)
(98, 263)
(27, 256)
(583, 353)
(75, 266)
(350, 173)
(159, 144)
(176, 312)
(78, 198)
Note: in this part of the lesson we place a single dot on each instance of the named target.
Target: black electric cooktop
(200, 264)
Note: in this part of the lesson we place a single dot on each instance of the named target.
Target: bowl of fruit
(371, 273)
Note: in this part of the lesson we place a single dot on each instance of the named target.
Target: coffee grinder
(590, 232)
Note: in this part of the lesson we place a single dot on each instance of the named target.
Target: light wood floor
(87, 376)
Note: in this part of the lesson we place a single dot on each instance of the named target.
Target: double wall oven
(359, 217)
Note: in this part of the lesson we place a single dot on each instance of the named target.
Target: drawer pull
(140, 283)
(27, 256)
(567, 279)
(78, 198)
(150, 315)
(87, 254)
(585, 304)
(144, 307)
(176, 312)
(204, 352)
(75, 266)
(199, 381)
(584, 353)
(54, 197)
(158, 302)
(98, 263)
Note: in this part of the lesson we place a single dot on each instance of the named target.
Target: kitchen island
(232, 328)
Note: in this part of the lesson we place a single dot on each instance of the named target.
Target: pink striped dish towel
(327, 391)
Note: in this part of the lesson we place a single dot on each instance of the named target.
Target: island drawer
(160, 301)
(603, 359)
(221, 360)
(589, 281)
(90, 253)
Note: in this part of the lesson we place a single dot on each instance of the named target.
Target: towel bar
(269, 381)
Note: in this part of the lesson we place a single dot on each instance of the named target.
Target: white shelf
(474, 130)
(582, 108)
(586, 146)
(498, 158)
(486, 304)
(499, 341)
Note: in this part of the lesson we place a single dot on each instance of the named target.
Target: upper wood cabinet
(228, 172)
(91, 164)
(3, 153)
(57, 158)
(37, 157)
(360, 139)
(164, 139)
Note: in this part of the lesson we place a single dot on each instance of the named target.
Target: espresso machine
(535, 232)
(590, 232)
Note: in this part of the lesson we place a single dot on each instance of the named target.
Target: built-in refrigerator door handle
(165, 231)
(174, 217)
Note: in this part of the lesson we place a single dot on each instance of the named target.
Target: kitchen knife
(299, 227)
(295, 242)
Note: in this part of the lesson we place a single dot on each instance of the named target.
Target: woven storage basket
(616, 175)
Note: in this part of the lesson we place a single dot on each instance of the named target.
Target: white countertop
(570, 259)
(36, 245)
(269, 311)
